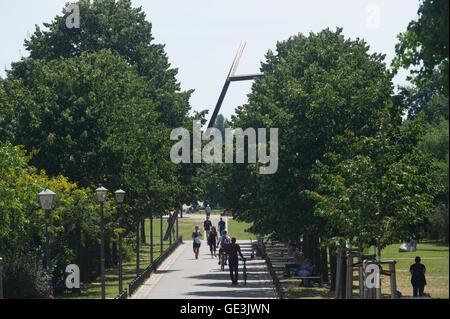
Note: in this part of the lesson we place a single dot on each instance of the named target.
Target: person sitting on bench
(305, 270)
(298, 261)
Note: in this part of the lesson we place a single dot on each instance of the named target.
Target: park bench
(306, 281)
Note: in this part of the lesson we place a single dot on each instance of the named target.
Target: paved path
(181, 276)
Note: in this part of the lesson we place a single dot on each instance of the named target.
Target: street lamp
(46, 200)
(101, 197)
(120, 196)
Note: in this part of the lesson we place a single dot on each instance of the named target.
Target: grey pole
(120, 251)
(162, 244)
(47, 253)
(177, 224)
(102, 251)
(151, 239)
(137, 244)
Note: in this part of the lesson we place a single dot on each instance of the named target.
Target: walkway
(182, 276)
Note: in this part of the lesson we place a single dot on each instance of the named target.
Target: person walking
(212, 241)
(196, 236)
(418, 280)
(221, 226)
(233, 250)
(223, 242)
(208, 210)
(207, 226)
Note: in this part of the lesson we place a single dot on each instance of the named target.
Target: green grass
(435, 257)
(239, 230)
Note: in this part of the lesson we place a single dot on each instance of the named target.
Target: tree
(311, 91)
(424, 44)
(379, 187)
(97, 104)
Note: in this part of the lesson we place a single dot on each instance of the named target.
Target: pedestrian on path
(418, 281)
(221, 226)
(233, 250)
(208, 210)
(207, 226)
(196, 236)
(212, 241)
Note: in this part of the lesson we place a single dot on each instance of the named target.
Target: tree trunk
(115, 257)
(324, 264)
(333, 265)
(107, 252)
(143, 231)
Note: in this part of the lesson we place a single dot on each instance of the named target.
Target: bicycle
(245, 271)
(223, 260)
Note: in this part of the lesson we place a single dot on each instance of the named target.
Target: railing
(122, 295)
(132, 287)
(262, 247)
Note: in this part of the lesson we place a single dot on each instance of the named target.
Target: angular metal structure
(230, 78)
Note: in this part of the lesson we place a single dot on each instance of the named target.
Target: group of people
(219, 240)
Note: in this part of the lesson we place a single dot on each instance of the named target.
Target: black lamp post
(120, 196)
(101, 197)
(46, 200)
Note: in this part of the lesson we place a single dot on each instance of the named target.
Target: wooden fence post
(338, 274)
(393, 280)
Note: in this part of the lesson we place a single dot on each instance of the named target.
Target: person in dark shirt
(207, 226)
(221, 226)
(212, 241)
(233, 250)
(418, 281)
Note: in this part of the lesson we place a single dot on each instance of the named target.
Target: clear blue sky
(202, 36)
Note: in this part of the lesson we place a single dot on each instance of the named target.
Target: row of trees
(351, 168)
(93, 105)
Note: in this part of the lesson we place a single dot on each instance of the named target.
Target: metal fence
(122, 295)
(262, 247)
(134, 285)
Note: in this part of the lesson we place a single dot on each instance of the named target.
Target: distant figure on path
(221, 226)
(196, 236)
(208, 210)
(233, 250)
(418, 281)
(212, 241)
(207, 226)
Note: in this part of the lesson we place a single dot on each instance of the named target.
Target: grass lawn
(434, 257)
(239, 230)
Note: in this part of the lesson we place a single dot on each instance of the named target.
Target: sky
(202, 37)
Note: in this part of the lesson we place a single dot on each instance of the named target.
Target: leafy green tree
(313, 89)
(379, 187)
(97, 103)
(424, 44)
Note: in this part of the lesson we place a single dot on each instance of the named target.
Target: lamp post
(120, 196)
(101, 197)
(46, 200)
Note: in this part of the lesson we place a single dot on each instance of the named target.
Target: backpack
(224, 241)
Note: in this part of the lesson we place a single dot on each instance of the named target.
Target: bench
(306, 281)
